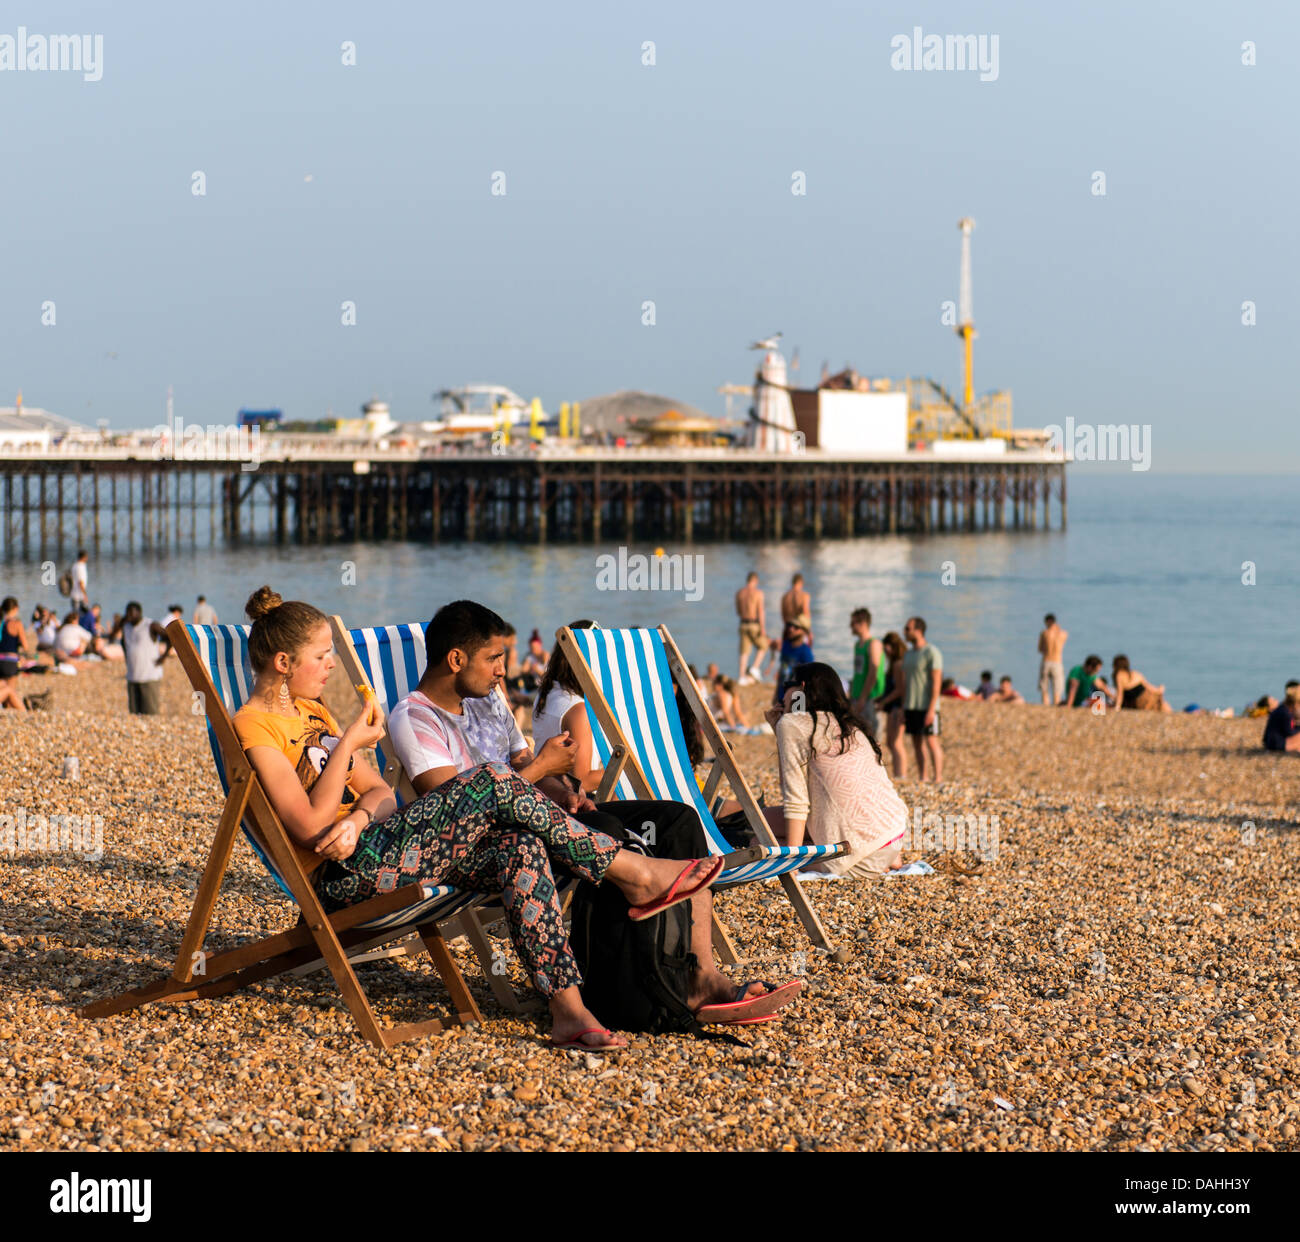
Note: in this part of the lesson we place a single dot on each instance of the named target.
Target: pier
(107, 498)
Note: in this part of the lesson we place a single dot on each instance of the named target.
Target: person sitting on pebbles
(1133, 692)
(834, 786)
(486, 830)
(1282, 729)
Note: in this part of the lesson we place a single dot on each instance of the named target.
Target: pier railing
(281, 449)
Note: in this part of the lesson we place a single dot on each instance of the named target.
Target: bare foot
(569, 1016)
(642, 880)
(715, 988)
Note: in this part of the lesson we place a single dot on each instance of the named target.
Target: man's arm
(428, 781)
(936, 682)
(1042, 643)
(567, 792)
(157, 631)
(875, 652)
(556, 756)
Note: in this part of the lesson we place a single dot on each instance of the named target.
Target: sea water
(1195, 578)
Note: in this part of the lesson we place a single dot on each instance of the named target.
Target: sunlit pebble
(861, 1062)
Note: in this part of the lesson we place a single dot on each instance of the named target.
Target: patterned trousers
(487, 831)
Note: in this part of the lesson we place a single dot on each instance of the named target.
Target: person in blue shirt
(796, 649)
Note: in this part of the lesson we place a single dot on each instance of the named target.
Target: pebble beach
(1120, 976)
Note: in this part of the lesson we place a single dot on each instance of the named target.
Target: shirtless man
(753, 626)
(796, 605)
(1051, 668)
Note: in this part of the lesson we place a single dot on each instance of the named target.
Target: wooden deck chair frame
(724, 764)
(468, 922)
(199, 975)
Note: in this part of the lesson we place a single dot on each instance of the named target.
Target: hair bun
(262, 601)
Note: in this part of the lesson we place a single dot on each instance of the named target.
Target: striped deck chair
(627, 678)
(390, 660)
(215, 659)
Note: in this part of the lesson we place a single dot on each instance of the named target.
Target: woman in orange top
(486, 830)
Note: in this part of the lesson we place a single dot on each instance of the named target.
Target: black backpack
(636, 976)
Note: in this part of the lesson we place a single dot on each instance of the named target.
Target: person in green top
(870, 669)
(1084, 681)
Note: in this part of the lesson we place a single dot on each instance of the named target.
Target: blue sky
(672, 183)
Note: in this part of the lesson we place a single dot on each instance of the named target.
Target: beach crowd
(496, 812)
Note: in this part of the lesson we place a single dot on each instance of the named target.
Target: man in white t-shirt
(204, 613)
(72, 640)
(80, 581)
(456, 719)
(146, 645)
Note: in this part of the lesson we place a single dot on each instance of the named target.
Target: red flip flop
(575, 1042)
(739, 1011)
(676, 894)
(767, 1017)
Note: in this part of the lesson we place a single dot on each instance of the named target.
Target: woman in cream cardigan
(834, 785)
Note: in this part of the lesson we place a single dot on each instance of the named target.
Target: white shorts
(1051, 679)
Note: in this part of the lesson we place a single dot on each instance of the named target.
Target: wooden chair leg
(723, 945)
(807, 915)
(466, 1009)
(505, 995)
(205, 899)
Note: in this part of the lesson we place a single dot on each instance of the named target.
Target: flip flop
(741, 1010)
(766, 1017)
(674, 895)
(575, 1042)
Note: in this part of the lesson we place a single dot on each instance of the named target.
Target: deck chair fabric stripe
(224, 651)
(393, 659)
(631, 670)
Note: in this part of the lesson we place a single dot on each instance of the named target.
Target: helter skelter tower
(773, 426)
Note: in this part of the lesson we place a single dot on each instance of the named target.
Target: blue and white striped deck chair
(627, 680)
(215, 659)
(391, 659)
(224, 652)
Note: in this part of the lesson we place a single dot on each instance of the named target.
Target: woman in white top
(834, 785)
(560, 708)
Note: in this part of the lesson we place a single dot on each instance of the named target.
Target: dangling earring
(284, 694)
